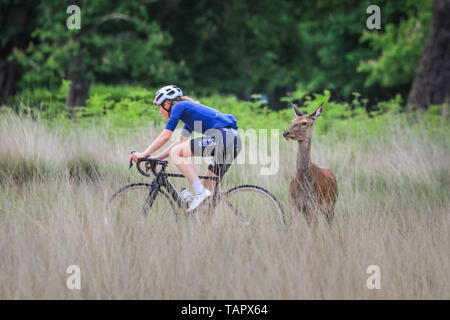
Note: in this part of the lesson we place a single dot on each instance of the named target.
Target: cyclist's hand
(136, 156)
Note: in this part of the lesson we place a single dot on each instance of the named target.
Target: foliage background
(223, 47)
(59, 164)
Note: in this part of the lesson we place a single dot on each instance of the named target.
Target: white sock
(198, 187)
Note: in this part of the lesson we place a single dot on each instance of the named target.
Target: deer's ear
(297, 111)
(316, 113)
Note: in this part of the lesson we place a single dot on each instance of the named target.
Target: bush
(128, 108)
(22, 170)
(83, 168)
(48, 104)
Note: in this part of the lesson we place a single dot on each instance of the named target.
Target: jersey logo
(207, 142)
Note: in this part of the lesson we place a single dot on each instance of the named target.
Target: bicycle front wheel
(140, 200)
(254, 205)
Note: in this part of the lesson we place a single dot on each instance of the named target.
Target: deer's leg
(329, 216)
(309, 214)
(328, 211)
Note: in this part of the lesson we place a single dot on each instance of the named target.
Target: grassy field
(392, 211)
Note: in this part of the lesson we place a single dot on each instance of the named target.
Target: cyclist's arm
(185, 135)
(161, 140)
(166, 152)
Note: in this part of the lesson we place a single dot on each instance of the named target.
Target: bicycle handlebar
(152, 163)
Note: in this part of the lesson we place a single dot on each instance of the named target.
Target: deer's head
(301, 128)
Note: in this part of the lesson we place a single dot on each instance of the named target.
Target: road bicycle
(248, 203)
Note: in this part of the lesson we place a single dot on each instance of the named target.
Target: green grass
(125, 109)
(392, 211)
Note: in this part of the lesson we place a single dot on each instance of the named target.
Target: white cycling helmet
(168, 92)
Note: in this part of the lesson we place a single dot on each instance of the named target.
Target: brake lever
(131, 161)
(149, 166)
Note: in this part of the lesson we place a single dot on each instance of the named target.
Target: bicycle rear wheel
(137, 201)
(254, 205)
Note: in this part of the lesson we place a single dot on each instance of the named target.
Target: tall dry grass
(392, 211)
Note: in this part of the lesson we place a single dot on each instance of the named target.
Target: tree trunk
(432, 82)
(14, 14)
(9, 73)
(79, 83)
(78, 93)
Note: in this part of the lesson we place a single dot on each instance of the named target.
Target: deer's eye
(304, 123)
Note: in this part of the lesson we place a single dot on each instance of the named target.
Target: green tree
(239, 47)
(399, 46)
(432, 81)
(335, 41)
(17, 21)
(116, 43)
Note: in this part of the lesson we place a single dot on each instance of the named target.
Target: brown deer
(313, 189)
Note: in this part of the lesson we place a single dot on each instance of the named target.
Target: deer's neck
(304, 165)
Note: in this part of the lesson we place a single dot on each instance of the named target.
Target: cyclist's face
(163, 112)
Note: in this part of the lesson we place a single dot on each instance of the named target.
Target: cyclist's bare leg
(207, 183)
(179, 155)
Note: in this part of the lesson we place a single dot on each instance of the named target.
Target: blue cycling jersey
(198, 118)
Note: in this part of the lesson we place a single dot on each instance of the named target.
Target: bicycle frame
(161, 180)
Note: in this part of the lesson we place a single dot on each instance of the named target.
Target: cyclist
(221, 139)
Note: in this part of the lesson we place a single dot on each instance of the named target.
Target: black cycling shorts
(223, 144)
